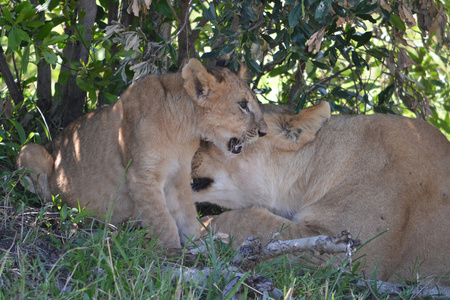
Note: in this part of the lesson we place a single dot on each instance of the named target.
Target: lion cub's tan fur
(365, 174)
(133, 159)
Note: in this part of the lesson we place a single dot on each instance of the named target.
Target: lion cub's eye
(244, 106)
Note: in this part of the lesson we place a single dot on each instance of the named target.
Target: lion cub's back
(398, 157)
(88, 161)
(397, 135)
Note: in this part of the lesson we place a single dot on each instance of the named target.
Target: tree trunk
(183, 37)
(14, 91)
(126, 19)
(72, 98)
(44, 78)
(44, 87)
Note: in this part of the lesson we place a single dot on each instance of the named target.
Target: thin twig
(369, 286)
(173, 11)
(179, 31)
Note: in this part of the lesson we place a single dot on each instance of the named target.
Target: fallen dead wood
(396, 290)
(252, 253)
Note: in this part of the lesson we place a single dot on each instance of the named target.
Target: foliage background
(60, 59)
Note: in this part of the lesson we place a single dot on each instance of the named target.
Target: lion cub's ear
(292, 132)
(198, 83)
(244, 73)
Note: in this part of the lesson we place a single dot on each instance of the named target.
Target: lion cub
(384, 178)
(133, 159)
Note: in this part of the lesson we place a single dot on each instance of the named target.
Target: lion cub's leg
(181, 205)
(163, 201)
(259, 222)
(147, 192)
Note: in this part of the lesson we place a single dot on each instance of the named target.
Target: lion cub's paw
(166, 239)
(166, 235)
(190, 233)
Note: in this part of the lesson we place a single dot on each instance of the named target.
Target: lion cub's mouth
(235, 146)
(198, 184)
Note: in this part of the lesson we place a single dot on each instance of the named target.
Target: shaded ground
(26, 237)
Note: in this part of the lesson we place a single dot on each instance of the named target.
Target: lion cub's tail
(36, 158)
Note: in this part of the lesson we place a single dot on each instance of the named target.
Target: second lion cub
(148, 137)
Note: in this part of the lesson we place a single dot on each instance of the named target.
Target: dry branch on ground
(252, 253)
(418, 292)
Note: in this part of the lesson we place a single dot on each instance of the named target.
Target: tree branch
(183, 34)
(418, 292)
(252, 253)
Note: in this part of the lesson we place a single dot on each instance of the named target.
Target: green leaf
(342, 94)
(212, 9)
(365, 9)
(438, 83)
(20, 131)
(54, 39)
(340, 11)
(367, 18)
(301, 103)
(26, 11)
(63, 77)
(363, 39)
(25, 58)
(110, 97)
(45, 126)
(7, 15)
(379, 53)
(397, 22)
(253, 65)
(322, 10)
(30, 80)
(85, 86)
(355, 59)
(320, 65)
(44, 31)
(333, 56)
(161, 7)
(344, 53)
(268, 39)
(207, 14)
(295, 15)
(277, 71)
(51, 4)
(13, 39)
(35, 24)
(63, 213)
(22, 35)
(49, 56)
(385, 95)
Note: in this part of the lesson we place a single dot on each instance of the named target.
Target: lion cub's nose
(262, 127)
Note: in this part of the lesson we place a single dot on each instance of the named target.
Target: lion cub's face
(286, 133)
(232, 116)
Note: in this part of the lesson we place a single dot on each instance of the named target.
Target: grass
(48, 251)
